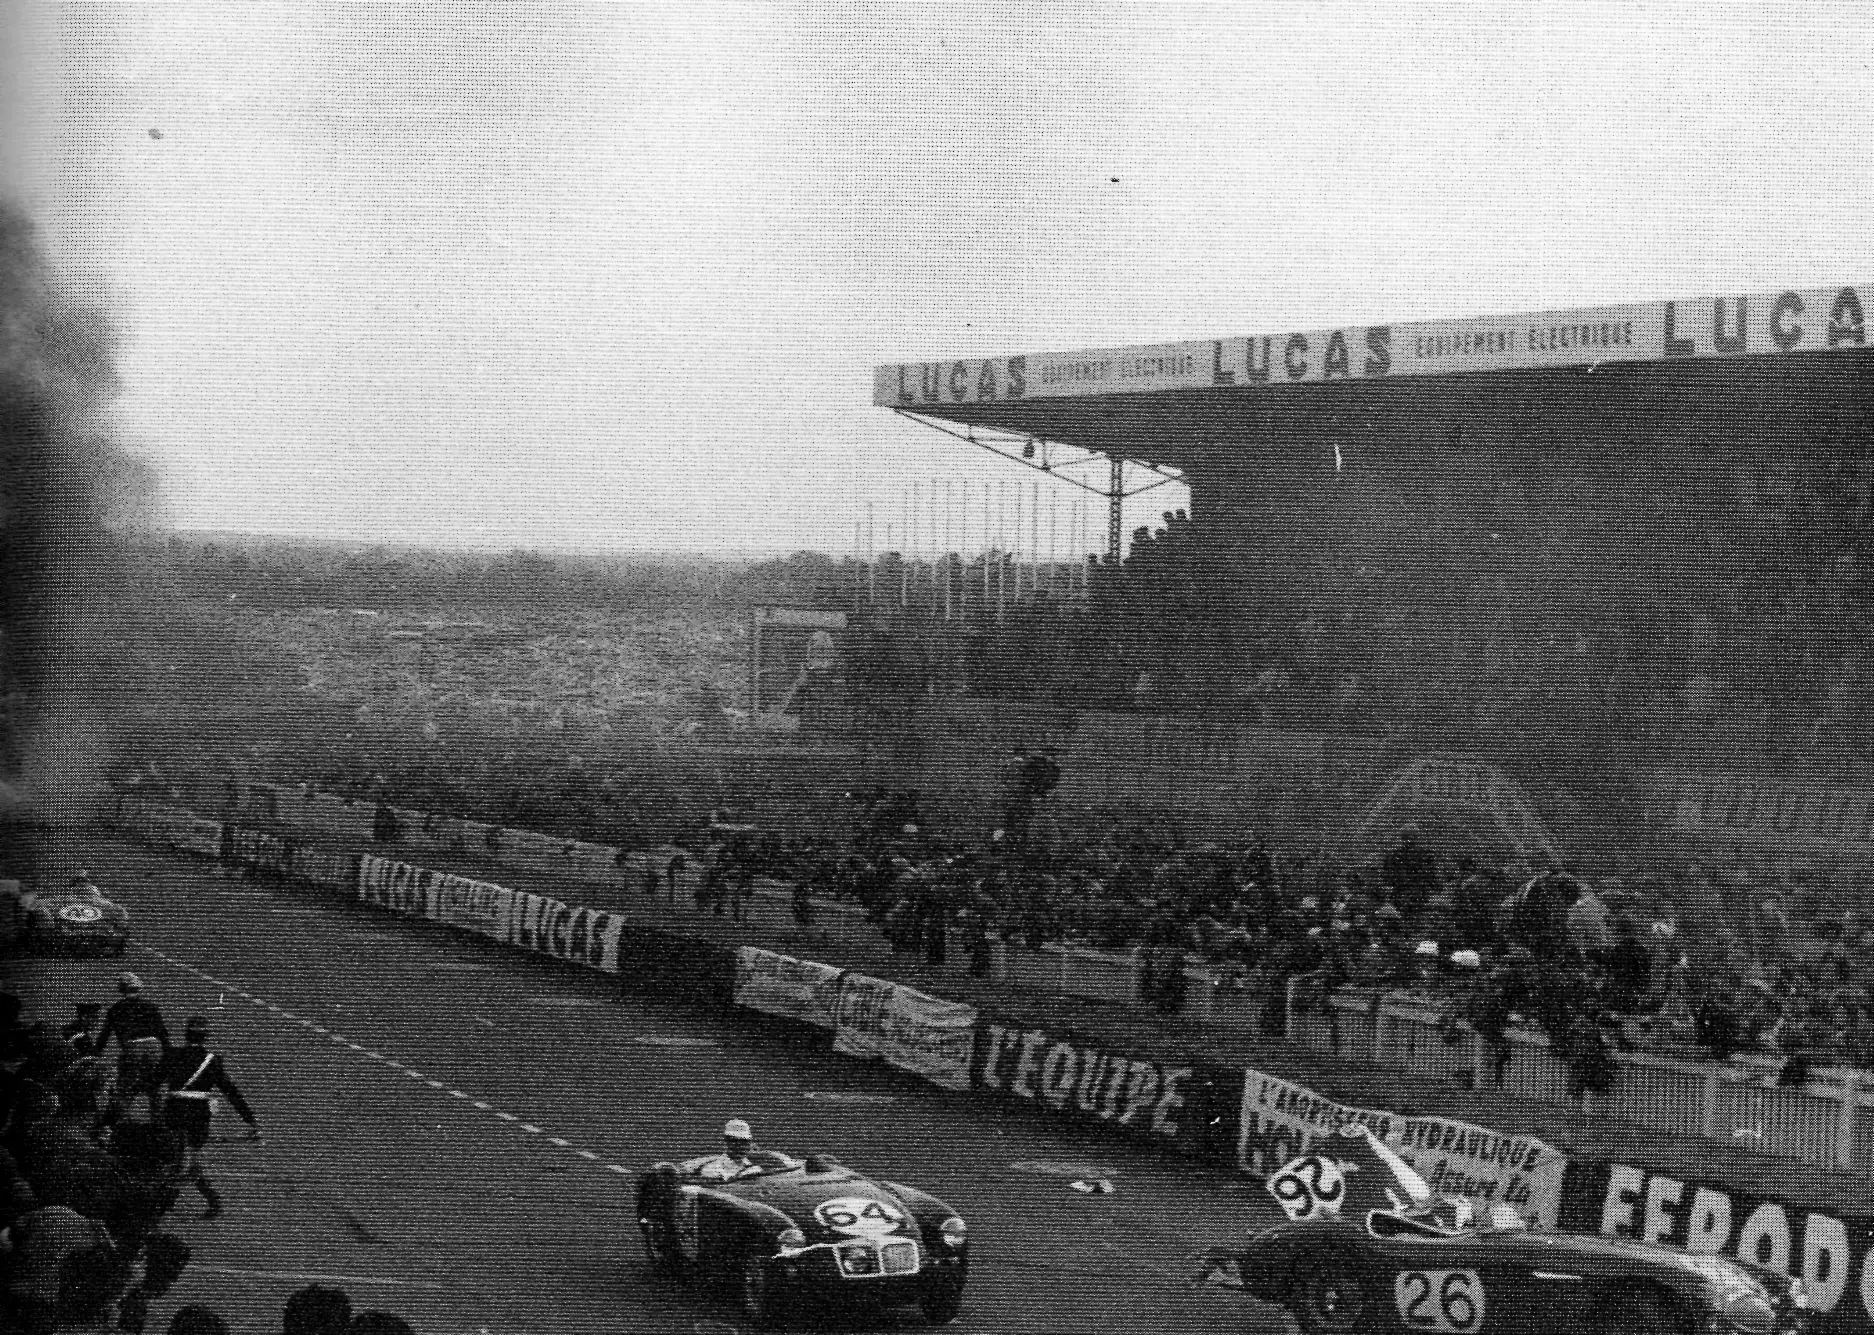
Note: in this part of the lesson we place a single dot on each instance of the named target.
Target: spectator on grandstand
(316, 1310)
(1589, 932)
(1475, 898)
(1409, 874)
(1629, 969)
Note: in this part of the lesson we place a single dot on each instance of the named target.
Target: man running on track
(193, 1075)
(142, 1039)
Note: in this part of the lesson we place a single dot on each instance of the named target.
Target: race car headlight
(858, 1260)
(1748, 1310)
(791, 1241)
(955, 1232)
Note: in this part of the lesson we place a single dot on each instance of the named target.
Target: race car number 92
(80, 913)
(1442, 1300)
(858, 1215)
(1308, 1186)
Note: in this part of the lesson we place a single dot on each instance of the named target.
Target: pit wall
(1239, 1120)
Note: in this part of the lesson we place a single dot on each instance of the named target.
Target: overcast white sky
(498, 275)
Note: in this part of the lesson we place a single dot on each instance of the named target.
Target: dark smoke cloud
(69, 496)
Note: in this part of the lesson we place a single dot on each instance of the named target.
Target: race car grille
(899, 1258)
(860, 1260)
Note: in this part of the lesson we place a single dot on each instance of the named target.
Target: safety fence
(1245, 1119)
(673, 876)
(1827, 1120)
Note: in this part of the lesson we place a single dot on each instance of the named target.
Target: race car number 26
(1442, 1300)
(858, 1215)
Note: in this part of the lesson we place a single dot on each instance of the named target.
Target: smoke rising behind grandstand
(615, 277)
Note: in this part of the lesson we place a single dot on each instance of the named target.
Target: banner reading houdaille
(914, 1032)
(782, 985)
(1282, 1121)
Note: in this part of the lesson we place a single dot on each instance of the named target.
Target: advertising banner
(782, 985)
(912, 1031)
(259, 849)
(396, 886)
(200, 836)
(1282, 1121)
(1833, 1254)
(476, 906)
(578, 935)
(1774, 812)
(323, 867)
(1166, 1101)
(1753, 325)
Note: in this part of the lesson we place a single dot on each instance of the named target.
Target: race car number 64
(1442, 1300)
(858, 1215)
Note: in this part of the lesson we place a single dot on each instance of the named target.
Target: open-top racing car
(795, 1233)
(77, 918)
(1367, 1247)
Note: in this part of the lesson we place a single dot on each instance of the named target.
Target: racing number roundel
(80, 913)
(1309, 1186)
(859, 1216)
(1440, 1300)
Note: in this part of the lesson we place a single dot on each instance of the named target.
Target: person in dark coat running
(142, 1039)
(192, 1076)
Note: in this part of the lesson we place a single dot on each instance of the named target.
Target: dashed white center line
(481, 1105)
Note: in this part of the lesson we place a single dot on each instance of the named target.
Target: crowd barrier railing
(1828, 1120)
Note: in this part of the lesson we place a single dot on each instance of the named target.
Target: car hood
(830, 1207)
(1587, 1253)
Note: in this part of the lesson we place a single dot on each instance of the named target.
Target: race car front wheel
(660, 1246)
(1332, 1299)
(761, 1298)
(940, 1301)
(1642, 1310)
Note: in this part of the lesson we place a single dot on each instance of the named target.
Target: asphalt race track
(452, 1132)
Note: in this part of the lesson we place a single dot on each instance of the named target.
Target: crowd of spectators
(1678, 954)
(89, 1181)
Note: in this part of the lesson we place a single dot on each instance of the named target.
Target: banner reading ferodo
(1833, 1253)
(579, 935)
(1078, 1078)
(1282, 1121)
(931, 1038)
(782, 985)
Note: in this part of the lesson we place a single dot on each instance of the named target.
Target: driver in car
(736, 1159)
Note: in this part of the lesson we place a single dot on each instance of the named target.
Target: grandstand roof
(1155, 401)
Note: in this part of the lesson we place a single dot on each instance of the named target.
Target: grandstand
(1621, 550)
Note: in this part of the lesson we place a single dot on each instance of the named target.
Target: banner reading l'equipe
(912, 1031)
(1075, 1076)
(782, 985)
(1832, 1253)
(1282, 1121)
